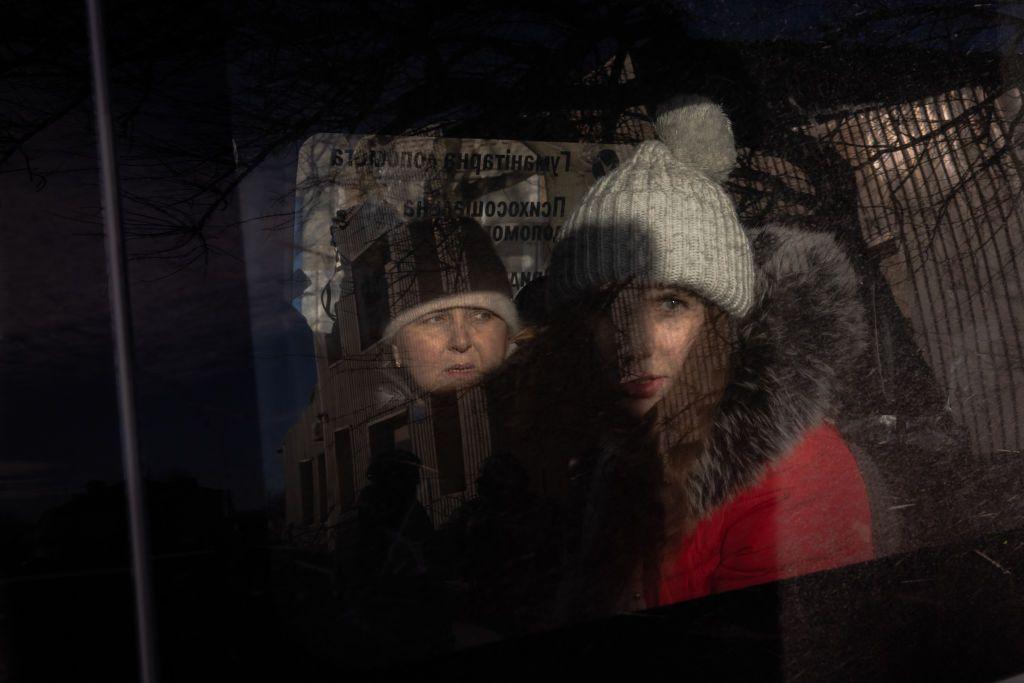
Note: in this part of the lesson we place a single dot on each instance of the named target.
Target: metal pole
(120, 308)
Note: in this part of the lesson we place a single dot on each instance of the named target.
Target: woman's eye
(671, 304)
(482, 316)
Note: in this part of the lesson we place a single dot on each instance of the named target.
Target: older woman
(679, 401)
(452, 313)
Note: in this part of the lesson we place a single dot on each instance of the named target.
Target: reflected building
(363, 406)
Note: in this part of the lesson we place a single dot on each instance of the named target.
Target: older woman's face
(452, 348)
(643, 340)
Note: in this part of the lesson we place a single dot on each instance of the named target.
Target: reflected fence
(936, 205)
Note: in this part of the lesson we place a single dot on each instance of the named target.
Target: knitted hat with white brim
(495, 302)
(443, 263)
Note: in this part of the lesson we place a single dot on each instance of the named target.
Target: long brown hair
(621, 479)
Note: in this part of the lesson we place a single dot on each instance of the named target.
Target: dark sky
(223, 363)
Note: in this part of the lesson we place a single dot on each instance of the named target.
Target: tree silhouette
(203, 98)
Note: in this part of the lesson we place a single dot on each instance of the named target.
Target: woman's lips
(460, 369)
(643, 387)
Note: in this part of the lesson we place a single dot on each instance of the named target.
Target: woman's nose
(458, 336)
(632, 335)
(634, 340)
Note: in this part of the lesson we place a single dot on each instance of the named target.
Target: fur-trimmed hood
(805, 331)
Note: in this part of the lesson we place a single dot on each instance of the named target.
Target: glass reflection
(678, 403)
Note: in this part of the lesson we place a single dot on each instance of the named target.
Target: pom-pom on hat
(662, 217)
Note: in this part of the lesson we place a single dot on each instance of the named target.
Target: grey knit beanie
(662, 217)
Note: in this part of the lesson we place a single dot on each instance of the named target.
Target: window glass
(343, 463)
(390, 435)
(65, 563)
(448, 444)
(332, 344)
(457, 324)
(371, 292)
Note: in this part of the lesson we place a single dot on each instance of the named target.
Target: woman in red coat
(680, 398)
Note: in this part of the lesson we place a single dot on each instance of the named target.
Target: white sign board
(520, 192)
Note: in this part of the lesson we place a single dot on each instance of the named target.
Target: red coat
(808, 513)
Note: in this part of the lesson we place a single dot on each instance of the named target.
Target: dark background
(211, 102)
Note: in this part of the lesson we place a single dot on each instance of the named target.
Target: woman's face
(643, 340)
(452, 348)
